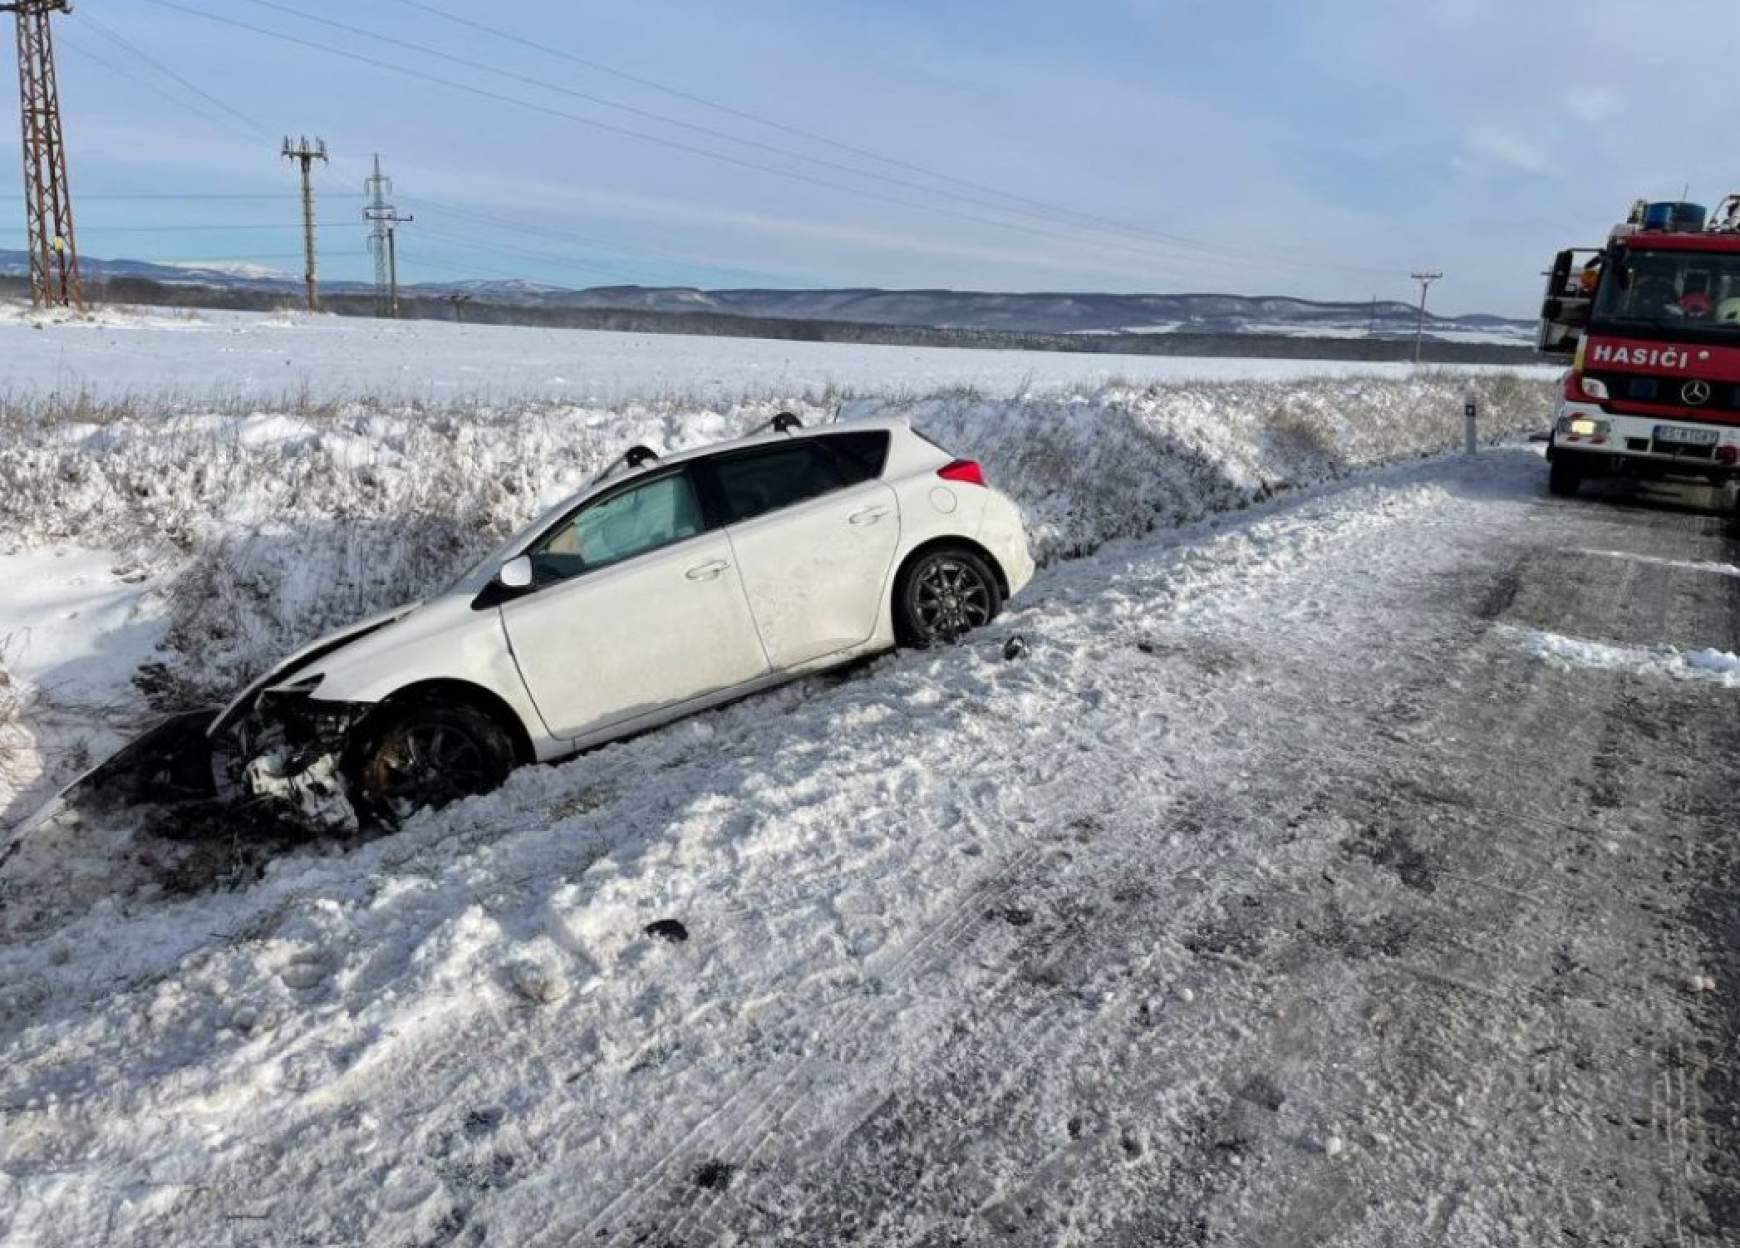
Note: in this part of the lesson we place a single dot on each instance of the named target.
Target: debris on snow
(316, 792)
(715, 1175)
(670, 930)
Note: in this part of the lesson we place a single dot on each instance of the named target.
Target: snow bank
(1719, 667)
(281, 528)
(278, 527)
(1125, 460)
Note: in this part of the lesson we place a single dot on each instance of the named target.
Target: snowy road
(1347, 873)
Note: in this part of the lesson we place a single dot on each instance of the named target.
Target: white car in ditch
(669, 585)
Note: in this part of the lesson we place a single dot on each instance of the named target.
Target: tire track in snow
(769, 1105)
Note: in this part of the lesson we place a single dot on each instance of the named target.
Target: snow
(319, 1027)
(243, 537)
(1682, 565)
(239, 357)
(1657, 662)
(475, 1023)
(686, 957)
(76, 625)
(231, 268)
(1498, 336)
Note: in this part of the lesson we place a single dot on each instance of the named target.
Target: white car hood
(317, 649)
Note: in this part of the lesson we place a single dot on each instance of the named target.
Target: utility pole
(305, 154)
(48, 216)
(381, 214)
(1425, 280)
(393, 271)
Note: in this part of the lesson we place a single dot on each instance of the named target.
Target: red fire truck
(1651, 322)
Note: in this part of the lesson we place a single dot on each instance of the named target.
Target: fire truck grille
(1667, 391)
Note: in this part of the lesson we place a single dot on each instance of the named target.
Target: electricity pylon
(383, 240)
(305, 154)
(54, 257)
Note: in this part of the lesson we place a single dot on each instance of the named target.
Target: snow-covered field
(206, 358)
(652, 992)
(1495, 336)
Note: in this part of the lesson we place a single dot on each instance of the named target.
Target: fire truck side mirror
(1562, 272)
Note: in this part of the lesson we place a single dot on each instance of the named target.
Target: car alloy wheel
(430, 755)
(950, 596)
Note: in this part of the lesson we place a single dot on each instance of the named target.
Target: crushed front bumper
(287, 755)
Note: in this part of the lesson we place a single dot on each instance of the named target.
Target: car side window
(756, 482)
(633, 522)
(861, 455)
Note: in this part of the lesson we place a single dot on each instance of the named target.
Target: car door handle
(870, 515)
(708, 571)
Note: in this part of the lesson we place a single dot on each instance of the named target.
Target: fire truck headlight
(1584, 427)
(1595, 388)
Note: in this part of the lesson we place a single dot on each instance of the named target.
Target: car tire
(1563, 477)
(944, 594)
(425, 754)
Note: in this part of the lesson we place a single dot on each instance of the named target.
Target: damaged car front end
(279, 748)
(286, 756)
(276, 753)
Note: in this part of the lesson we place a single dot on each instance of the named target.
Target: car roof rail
(631, 460)
(784, 422)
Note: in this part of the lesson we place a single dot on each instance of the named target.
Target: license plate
(1689, 437)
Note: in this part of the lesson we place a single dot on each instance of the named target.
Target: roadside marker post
(1470, 418)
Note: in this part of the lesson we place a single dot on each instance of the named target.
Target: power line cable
(661, 118)
(210, 195)
(287, 255)
(1050, 213)
(525, 253)
(676, 145)
(865, 153)
(116, 37)
(566, 236)
(204, 228)
(119, 71)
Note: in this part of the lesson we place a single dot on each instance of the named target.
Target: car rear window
(861, 455)
(757, 482)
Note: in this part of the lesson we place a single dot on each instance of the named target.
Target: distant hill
(1038, 312)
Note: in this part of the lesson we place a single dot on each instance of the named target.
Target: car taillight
(966, 471)
(1729, 455)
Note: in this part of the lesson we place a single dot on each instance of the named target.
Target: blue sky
(1315, 147)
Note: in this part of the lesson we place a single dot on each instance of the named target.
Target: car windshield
(1662, 290)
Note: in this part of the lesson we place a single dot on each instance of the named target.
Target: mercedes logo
(1695, 393)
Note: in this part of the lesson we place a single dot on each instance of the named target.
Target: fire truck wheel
(1564, 477)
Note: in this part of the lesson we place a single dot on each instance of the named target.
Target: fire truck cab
(1651, 323)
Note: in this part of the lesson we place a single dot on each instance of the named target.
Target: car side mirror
(516, 573)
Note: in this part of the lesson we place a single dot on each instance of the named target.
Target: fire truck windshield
(1670, 293)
